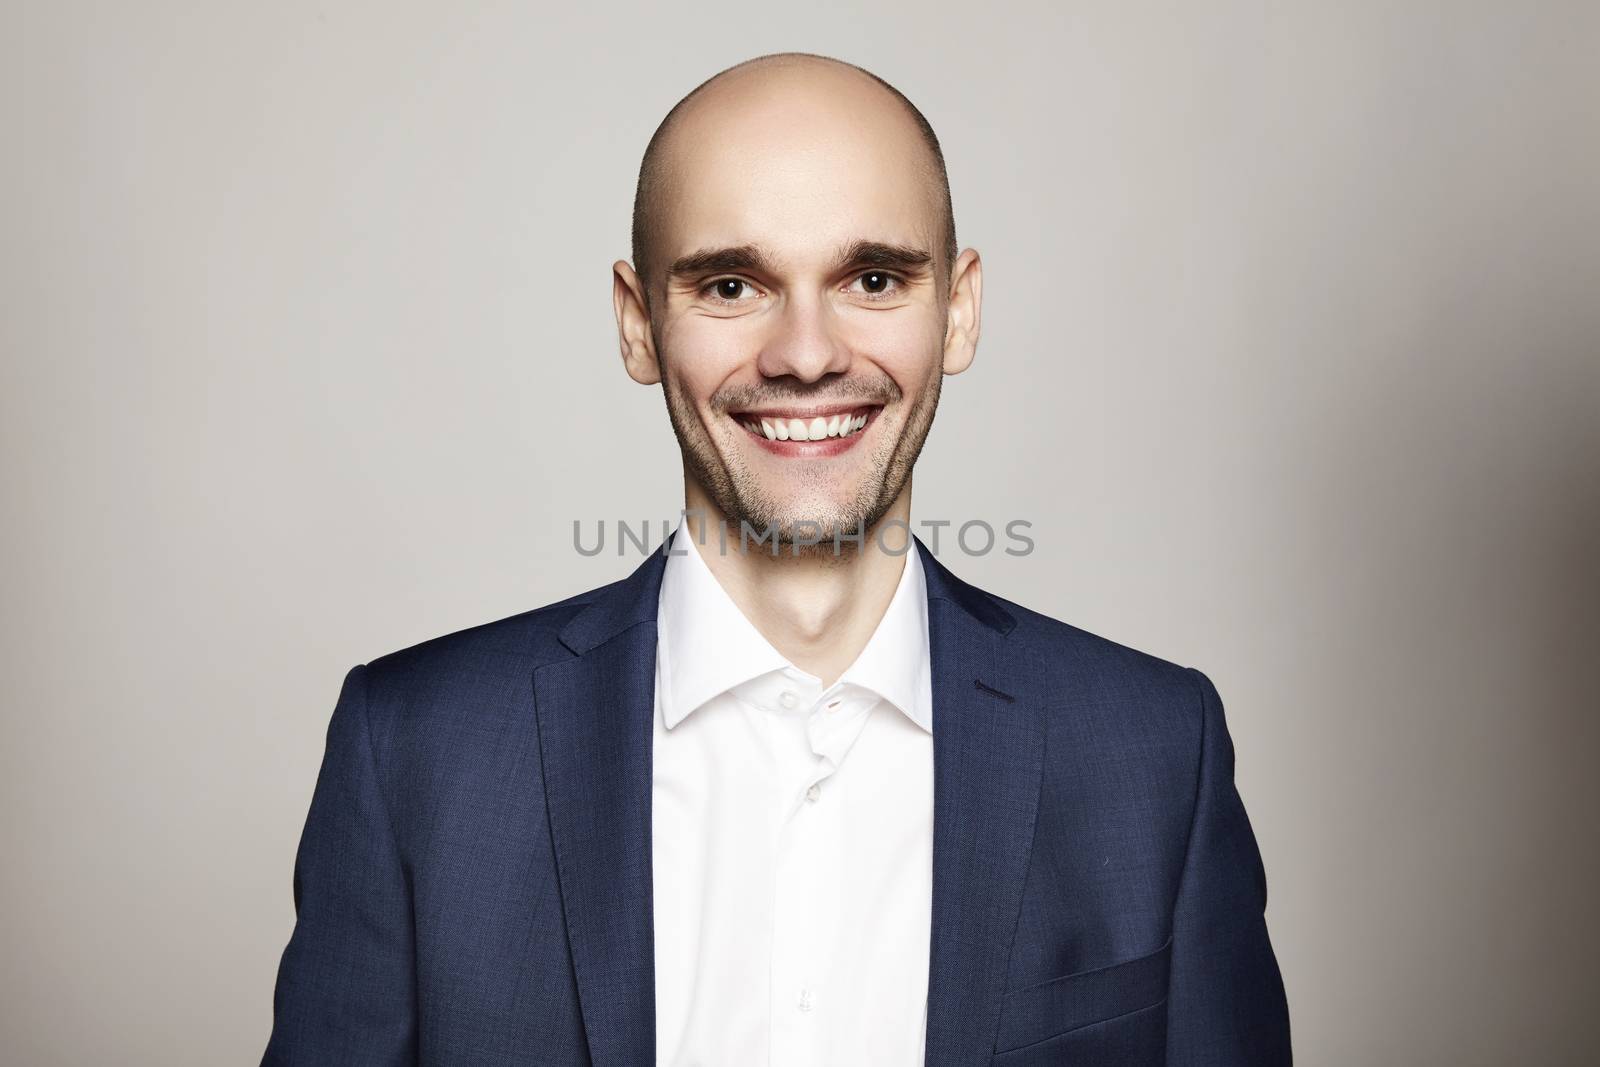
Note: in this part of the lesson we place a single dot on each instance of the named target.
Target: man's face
(799, 318)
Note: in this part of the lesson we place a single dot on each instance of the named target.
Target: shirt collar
(706, 646)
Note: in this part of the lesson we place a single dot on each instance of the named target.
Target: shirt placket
(806, 878)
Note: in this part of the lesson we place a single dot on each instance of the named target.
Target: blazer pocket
(1048, 1009)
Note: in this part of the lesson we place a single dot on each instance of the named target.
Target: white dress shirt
(792, 836)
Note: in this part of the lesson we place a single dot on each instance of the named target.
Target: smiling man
(802, 800)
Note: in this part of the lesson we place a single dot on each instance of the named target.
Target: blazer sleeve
(1225, 1002)
(346, 983)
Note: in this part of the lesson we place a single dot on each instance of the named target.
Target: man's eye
(876, 283)
(730, 290)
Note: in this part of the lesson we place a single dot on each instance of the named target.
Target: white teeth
(819, 428)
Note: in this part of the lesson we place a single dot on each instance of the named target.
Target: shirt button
(787, 698)
(814, 792)
(805, 1000)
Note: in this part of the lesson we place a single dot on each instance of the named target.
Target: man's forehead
(788, 235)
(798, 175)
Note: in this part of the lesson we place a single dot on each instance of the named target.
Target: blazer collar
(614, 608)
(594, 714)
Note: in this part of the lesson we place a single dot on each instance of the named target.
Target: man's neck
(818, 608)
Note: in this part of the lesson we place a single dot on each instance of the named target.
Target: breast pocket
(1061, 1005)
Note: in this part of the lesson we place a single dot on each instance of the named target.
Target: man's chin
(800, 529)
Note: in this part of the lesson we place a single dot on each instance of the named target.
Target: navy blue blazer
(473, 885)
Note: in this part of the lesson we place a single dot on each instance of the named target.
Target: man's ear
(964, 312)
(633, 325)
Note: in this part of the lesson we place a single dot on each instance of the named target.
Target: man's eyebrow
(717, 260)
(884, 255)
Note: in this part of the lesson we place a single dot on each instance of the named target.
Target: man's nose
(805, 344)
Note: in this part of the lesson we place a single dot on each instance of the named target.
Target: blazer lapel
(988, 755)
(595, 719)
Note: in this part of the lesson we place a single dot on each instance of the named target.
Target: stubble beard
(836, 526)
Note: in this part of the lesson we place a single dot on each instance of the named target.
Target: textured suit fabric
(473, 882)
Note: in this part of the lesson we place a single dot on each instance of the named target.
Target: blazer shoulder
(514, 644)
(1100, 667)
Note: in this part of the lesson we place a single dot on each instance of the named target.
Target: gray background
(1291, 355)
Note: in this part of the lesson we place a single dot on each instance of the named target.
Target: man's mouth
(818, 431)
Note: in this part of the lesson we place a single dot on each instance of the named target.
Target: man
(821, 805)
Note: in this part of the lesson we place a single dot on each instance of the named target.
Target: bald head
(792, 102)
